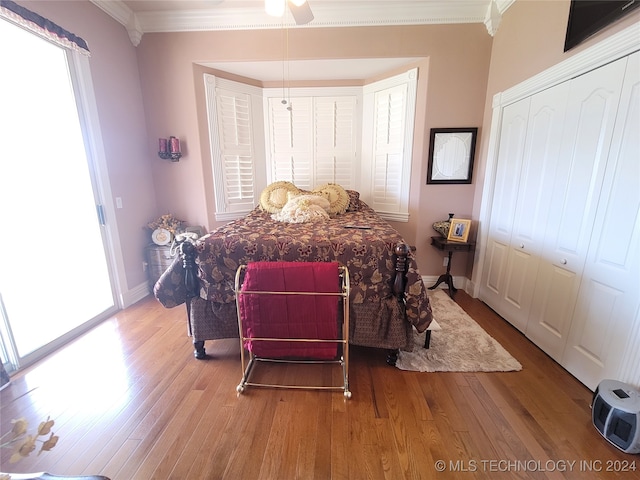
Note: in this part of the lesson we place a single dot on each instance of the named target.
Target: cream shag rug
(460, 345)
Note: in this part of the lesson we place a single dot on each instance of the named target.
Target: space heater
(616, 413)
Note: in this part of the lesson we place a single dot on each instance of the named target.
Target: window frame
(364, 167)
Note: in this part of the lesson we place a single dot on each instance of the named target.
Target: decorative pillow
(304, 208)
(274, 196)
(338, 197)
(354, 201)
(292, 195)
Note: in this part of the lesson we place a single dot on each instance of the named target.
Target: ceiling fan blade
(301, 14)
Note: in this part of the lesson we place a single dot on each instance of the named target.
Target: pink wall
(157, 90)
(116, 82)
(529, 40)
(451, 93)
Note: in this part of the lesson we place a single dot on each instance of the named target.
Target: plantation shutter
(387, 144)
(231, 110)
(291, 132)
(234, 120)
(335, 140)
(314, 141)
(360, 138)
(390, 109)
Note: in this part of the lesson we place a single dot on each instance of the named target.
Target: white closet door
(509, 164)
(588, 128)
(608, 300)
(544, 131)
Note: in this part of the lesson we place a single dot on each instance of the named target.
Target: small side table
(158, 260)
(448, 246)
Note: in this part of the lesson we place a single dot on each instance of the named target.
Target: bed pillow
(304, 208)
(354, 201)
(338, 197)
(274, 196)
(291, 195)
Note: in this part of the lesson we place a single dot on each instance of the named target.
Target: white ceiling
(145, 16)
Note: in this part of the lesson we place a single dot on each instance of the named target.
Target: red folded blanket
(290, 316)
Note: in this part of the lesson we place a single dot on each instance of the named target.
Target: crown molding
(503, 5)
(494, 14)
(116, 9)
(327, 14)
(119, 11)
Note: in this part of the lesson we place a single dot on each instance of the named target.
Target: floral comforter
(361, 240)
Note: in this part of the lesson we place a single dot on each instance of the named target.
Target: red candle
(162, 145)
(174, 145)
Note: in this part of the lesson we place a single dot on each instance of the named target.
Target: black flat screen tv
(587, 17)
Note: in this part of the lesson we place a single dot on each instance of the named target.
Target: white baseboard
(470, 288)
(134, 295)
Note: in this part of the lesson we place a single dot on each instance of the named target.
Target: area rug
(460, 345)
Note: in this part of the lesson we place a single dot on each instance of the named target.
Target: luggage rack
(249, 359)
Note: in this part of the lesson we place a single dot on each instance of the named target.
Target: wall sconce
(169, 149)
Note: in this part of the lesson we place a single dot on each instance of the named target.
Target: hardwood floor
(131, 402)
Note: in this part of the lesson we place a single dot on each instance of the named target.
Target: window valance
(42, 26)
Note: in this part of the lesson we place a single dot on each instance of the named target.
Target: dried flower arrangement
(168, 222)
(24, 444)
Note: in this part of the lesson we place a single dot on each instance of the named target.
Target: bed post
(399, 281)
(188, 254)
(402, 252)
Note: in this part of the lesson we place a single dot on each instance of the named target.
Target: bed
(388, 298)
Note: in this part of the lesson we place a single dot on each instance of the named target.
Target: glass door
(54, 274)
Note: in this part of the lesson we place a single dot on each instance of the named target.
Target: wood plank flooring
(131, 402)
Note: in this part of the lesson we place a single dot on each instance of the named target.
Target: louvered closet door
(335, 140)
(586, 138)
(509, 164)
(606, 324)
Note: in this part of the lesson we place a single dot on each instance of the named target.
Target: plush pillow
(304, 208)
(291, 195)
(338, 197)
(354, 201)
(274, 197)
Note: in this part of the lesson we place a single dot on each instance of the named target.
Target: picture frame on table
(459, 230)
(451, 155)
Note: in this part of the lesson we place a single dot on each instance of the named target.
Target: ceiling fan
(300, 9)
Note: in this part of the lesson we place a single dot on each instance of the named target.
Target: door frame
(80, 72)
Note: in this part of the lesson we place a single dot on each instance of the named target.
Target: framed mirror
(451, 153)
